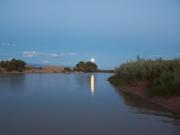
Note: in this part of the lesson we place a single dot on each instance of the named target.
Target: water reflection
(141, 107)
(12, 82)
(92, 85)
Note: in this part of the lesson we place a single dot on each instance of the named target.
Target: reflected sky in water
(83, 104)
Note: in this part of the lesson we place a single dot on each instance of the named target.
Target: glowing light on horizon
(92, 85)
(93, 60)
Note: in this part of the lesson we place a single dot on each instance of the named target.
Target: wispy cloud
(7, 44)
(31, 54)
(156, 56)
(72, 54)
(54, 55)
(7, 59)
(45, 62)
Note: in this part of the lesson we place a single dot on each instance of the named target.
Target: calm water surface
(76, 104)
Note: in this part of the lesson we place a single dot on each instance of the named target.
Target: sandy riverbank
(172, 103)
(46, 69)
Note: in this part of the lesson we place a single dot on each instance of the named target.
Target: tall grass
(163, 75)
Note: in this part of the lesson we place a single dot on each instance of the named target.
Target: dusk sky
(64, 32)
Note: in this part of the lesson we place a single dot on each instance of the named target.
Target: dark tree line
(13, 65)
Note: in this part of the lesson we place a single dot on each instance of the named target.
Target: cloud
(30, 54)
(54, 55)
(7, 59)
(45, 62)
(72, 54)
(57, 55)
(156, 55)
(6, 44)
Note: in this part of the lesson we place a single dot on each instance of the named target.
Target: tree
(68, 69)
(13, 65)
(86, 67)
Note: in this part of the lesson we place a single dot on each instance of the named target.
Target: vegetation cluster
(86, 67)
(12, 65)
(163, 76)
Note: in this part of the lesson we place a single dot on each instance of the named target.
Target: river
(76, 104)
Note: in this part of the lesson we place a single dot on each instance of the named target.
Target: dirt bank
(140, 89)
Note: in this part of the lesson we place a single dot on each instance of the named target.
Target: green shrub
(86, 67)
(13, 65)
(168, 84)
(163, 75)
(68, 69)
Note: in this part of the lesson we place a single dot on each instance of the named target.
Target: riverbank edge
(54, 72)
(171, 104)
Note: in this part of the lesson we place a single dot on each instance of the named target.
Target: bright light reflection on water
(92, 85)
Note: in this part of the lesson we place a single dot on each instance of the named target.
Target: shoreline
(171, 104)
(49, 72)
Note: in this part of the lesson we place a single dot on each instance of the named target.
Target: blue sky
(63, 32)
